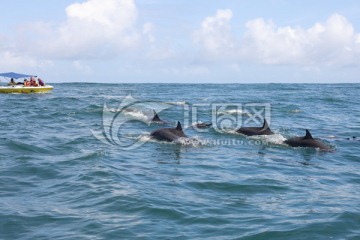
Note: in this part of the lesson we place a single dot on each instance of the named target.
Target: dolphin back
(156, 118)
(252, 131)
(307, 141)
(168, 134)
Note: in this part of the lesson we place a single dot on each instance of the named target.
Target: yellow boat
(18, 87)
(23, 89)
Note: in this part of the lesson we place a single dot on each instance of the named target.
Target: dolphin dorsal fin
(178, 126)
(156, 117)
(308, 135)
(265, 125)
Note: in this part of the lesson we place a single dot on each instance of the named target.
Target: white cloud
(329, 43)
(94, 29)
(215, 32)
(12, 61)
(113, 15)
(333, 42)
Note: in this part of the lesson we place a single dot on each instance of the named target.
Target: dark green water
(58, 181)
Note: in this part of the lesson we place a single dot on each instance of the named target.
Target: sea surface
(79, 163)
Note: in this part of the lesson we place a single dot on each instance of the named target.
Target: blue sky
(200, 41)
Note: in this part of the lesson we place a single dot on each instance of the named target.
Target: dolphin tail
(308, 135)
(156, 117)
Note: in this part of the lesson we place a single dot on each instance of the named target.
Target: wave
(236, 187)
(137, 115)
(191, 141)
(295, 111)
(21, 146)
(128, 112)
(88, 156)
(274, 139)
(233, 111)
(342, 225)
(178, 103)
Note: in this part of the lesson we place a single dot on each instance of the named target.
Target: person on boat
(26, 83)
(12, 82)
(33, 83)
(41, 83)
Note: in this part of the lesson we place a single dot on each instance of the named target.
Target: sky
(198, 41)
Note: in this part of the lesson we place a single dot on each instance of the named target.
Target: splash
(274, 139)
(136, 114)
(233, 111)
(179, 103)
(192, 142)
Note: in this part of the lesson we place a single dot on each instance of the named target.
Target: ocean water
(75, 165)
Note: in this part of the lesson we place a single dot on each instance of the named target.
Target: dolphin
(307, 141)
(156, 118)
(203, 125)
(168, 134)
(251, 131)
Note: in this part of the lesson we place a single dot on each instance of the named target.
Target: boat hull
(22, 89)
